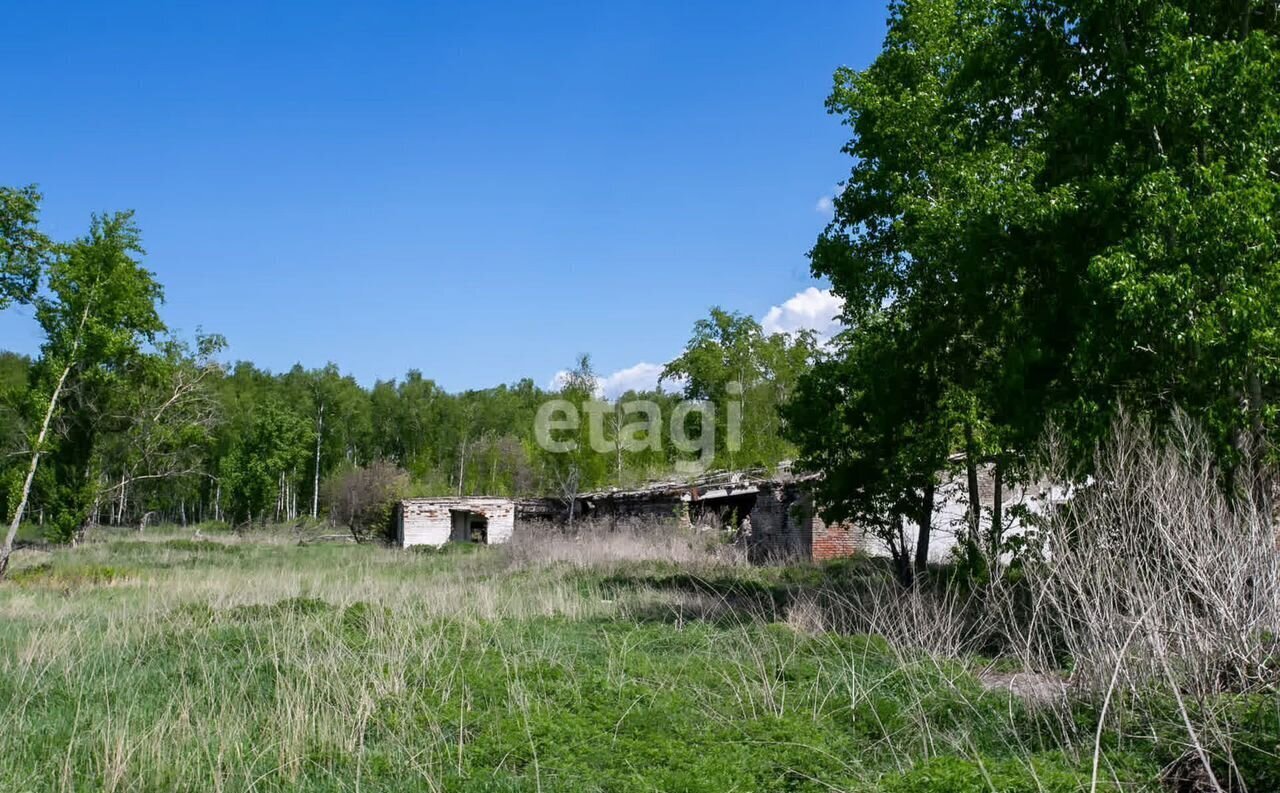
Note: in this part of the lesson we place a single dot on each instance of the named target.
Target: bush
(1156, 571)
(364, 499)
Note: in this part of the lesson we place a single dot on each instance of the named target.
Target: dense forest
(133, 425)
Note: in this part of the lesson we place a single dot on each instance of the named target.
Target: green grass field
(170, 663)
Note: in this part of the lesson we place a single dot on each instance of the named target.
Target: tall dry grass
(596, 543)
(1158, 585)
(1157, 568)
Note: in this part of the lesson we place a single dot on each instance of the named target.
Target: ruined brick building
(436, 521)
(771, 514)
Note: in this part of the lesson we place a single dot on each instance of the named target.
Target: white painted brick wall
(427, 521)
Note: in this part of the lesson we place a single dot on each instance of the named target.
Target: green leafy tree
(876, 429)
(1075, 202)
(731, 363)
(99, 309)
(15, 372)
(158, 426)
(580, 465)
(265, 461)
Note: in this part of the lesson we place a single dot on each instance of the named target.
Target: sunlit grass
(166, 662)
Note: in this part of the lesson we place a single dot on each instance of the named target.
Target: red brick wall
(834, 542)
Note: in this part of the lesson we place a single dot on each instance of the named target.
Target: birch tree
(161, 420)
(99, 307)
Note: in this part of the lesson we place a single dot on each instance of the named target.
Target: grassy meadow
(171, 661)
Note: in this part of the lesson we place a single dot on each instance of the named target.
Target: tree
(161, 419)
(874, 428)
(100, 308)
(730, 361)
(579, 467)
(262, 468)
(1075, 203)
(15, 372)
(363, 499)
(24, 254)
(322, 390)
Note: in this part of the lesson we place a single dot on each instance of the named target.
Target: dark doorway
(725, 513)
(479, 529)
(468, 526)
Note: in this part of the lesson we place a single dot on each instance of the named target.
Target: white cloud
(813, 309)
(827, 204)
(641, 377)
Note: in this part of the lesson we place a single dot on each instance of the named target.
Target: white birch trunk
(462, 467)
(7, 549)
(315, 487)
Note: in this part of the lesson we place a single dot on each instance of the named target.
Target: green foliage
(72, 576)
(15, 371)
(1256, 757)
(24, 251)
(1054, 208)
(145, 427)
(202, 546)
(102, 302)
(271, 450)
(730, 360)
(97, 310)
(1035, 775)
(582, 467)
(876, 427)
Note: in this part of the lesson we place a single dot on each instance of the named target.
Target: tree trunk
(975, 497)
(617, 438)
(462, 466)
(901, 562)
(123, 501)
(997, 513)
(315, 487)
(1263, 482)
(7, 549)
(925, 522)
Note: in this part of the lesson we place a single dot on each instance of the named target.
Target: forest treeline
(118, 422)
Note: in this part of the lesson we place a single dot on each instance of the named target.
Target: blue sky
(479, 190)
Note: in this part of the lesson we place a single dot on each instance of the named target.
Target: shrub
(364, 499)
(1155, 573)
